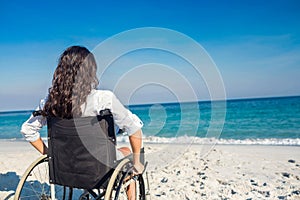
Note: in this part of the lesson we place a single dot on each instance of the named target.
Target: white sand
(226, 172)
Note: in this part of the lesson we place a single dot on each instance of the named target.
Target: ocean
(264, 121)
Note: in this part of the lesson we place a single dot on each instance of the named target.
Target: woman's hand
(138, 168)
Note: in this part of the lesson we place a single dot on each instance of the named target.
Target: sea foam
(198, 140)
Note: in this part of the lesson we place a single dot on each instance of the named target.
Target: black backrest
(81, 150)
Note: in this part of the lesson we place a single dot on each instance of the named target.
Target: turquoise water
(265, 121)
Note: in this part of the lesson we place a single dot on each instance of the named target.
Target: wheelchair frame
(41, 182)
(35, 184)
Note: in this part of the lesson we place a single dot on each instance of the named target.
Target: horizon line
(229, 99)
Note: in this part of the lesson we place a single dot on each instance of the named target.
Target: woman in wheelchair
(73, 94)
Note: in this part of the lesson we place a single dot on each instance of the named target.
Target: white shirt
(97, 100)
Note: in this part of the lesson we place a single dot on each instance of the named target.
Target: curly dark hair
(73, 80)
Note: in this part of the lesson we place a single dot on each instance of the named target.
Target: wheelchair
(81, 163)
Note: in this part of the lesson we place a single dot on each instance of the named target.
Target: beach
(181, 171)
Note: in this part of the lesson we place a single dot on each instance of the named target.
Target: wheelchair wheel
(34, 184)
(120, 181)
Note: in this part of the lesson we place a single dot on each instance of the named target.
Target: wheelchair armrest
(142, 155)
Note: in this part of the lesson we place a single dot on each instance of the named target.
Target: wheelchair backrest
(81, 150)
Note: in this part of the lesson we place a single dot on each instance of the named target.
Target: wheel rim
(121, 183)
(35, 184)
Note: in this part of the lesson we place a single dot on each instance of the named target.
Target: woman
(73, 94)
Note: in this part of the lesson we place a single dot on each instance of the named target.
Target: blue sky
(255, 44)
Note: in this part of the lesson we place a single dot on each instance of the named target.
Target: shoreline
(187, 140)
(178, 171)
(186, 143)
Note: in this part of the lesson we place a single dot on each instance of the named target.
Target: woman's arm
(132, 125)
(40, 146)
(30, 129)
(136, 144)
